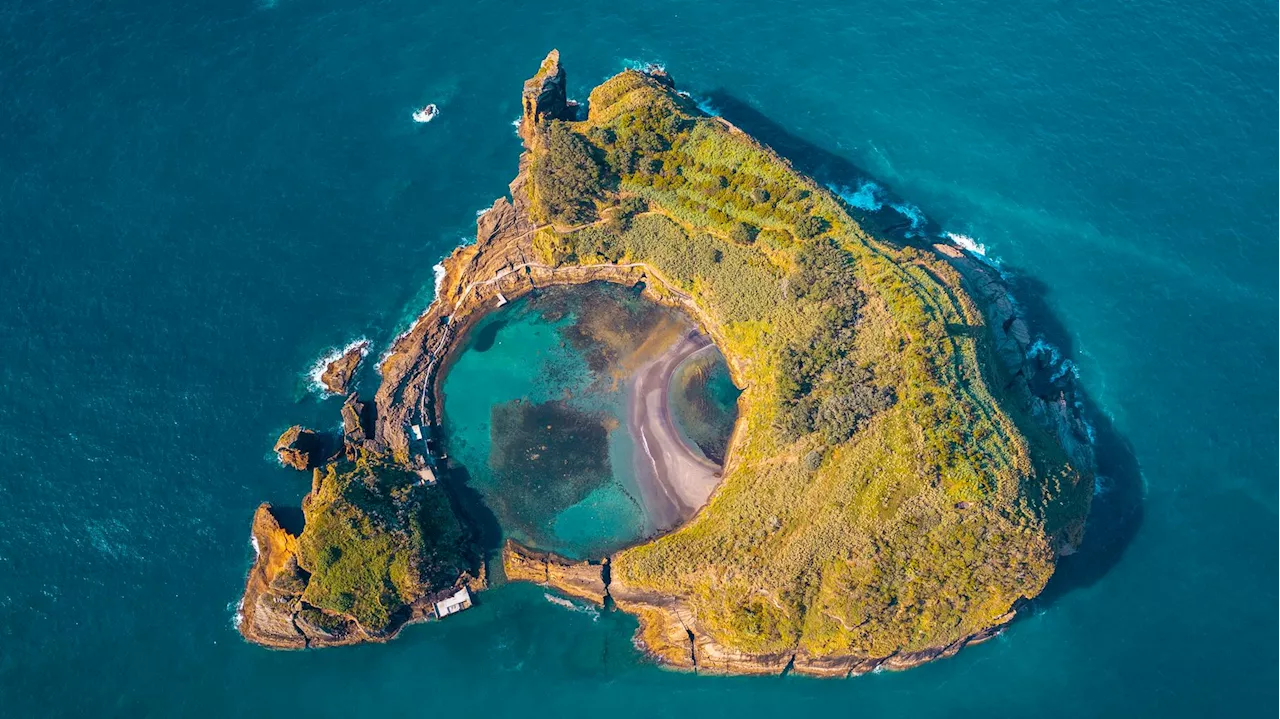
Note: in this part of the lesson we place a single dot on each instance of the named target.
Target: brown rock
(269, 605)
(337, 375)
(354, 421)
(300, 448)
(585, 580)
(544, 95)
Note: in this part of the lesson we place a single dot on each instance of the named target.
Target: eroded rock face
(270, 598)
(544, 94)
(300, 448)
(1044, 393)
(337, 375)
(585, 580)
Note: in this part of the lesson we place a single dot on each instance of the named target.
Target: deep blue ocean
(198, 199)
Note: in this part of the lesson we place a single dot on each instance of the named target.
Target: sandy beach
(674, 479)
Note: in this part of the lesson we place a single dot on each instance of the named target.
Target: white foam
(966, 243)
(866, 197)
(573, 606)
(237, 617)
(440, 274)
(704, 105)
(912, 213)
(1060, 364)
(333, 355)
(645, 66)
(253, 539)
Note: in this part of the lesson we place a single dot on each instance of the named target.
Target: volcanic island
(903, 475)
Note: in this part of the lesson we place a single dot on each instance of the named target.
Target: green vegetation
(881, 495)
(568, 176)
(375, 541)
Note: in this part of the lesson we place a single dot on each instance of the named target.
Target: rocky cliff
(273, 612)
(585, 580)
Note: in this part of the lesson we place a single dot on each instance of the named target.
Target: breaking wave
(440, 273)
(1061, 365)
(573, 606)
(967, 243)
(332, 355)
(643, 65)
(866, 197)
(912, 213)
(703, 104)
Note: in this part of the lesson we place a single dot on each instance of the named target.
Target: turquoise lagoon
(535, 408)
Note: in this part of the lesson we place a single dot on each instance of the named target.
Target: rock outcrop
(273, 612)
(337, 375)
(544, 95)
(268, 606)
(301, 448)
(585, 580)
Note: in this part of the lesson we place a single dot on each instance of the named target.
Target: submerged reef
(903, 474)
(548, 456)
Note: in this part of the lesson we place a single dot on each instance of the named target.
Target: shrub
(743, 233)
(840, 415)
(810, 226)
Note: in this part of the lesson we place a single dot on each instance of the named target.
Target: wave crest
(572, 606)
(332, 355)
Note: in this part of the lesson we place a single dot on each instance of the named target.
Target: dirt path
(675, 480)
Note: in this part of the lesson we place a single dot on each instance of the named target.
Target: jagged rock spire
(544, 95)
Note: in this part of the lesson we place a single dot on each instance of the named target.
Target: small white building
(417, 431)
(425, 475)
(454, 603)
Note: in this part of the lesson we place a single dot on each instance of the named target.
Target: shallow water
(535, 412)
(704, 403)
(199, 198)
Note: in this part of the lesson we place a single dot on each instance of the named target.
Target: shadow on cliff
(1117, 510)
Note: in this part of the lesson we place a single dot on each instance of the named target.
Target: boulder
(337, 375)
(300, 448)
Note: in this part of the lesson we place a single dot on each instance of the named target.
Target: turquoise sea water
(198, 198)
(535, 416)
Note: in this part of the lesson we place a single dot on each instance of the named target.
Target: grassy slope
(374, 541)
(922, 528)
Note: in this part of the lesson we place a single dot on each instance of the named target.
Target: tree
(743, 233)
(810, 226)
(567, 175)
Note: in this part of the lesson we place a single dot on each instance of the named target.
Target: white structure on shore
(454, 603)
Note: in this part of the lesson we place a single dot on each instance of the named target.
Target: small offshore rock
(300, 448)
(337, 375)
